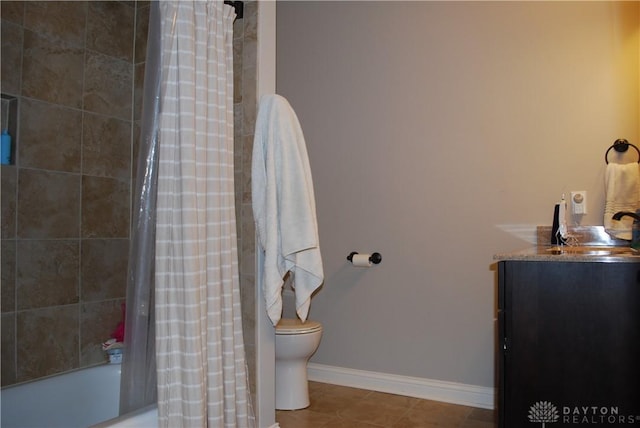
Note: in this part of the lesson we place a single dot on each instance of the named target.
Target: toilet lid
(295, 326)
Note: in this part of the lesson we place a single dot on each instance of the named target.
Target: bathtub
(77, 399)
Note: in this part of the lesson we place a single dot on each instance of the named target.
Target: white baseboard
(437, 390)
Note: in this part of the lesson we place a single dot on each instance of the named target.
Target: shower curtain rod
(238, 6)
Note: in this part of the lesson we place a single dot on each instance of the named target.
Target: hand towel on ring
(622, 193)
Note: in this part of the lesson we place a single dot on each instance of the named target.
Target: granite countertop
(589, 244)
(548, 253)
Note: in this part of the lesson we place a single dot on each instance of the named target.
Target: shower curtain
(138, 384)
(201, 370)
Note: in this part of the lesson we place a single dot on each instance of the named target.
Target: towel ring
(621, 145)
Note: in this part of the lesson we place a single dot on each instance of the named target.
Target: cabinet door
(572, 333)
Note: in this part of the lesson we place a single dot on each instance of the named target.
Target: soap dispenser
(5, 157)
(559, 227)
(635, 231)
(5, 152)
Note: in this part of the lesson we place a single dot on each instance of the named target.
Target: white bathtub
(146, 417)
(77, 399)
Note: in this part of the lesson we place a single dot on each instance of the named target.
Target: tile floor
(334, 406)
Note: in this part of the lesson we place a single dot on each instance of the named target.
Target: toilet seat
(295, 326)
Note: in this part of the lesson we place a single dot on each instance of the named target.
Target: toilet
(295, 344)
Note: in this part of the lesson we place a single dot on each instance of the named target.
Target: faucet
(635, 233)
(620, 214)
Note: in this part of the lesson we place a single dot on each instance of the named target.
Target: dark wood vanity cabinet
(569, 344)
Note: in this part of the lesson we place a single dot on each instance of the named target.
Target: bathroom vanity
(569, 339)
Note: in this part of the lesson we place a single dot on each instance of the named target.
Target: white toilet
(295, 344)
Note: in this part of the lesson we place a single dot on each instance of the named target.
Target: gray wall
(439, 134)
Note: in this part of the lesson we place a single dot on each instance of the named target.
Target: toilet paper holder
(375, 258)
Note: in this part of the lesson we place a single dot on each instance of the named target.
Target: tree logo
(543, 411)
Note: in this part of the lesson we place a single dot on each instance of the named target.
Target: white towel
(284, 207)
(622, 193)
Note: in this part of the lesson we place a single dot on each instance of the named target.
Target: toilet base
(292, 387)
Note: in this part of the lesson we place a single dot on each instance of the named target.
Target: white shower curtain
(202, 377)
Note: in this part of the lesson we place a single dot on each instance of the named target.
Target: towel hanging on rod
(621, 145)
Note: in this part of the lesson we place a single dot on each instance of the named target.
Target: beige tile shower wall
(76, 69)
(245, 57)
(76, 160)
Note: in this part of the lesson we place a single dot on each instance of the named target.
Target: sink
(595, 250)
